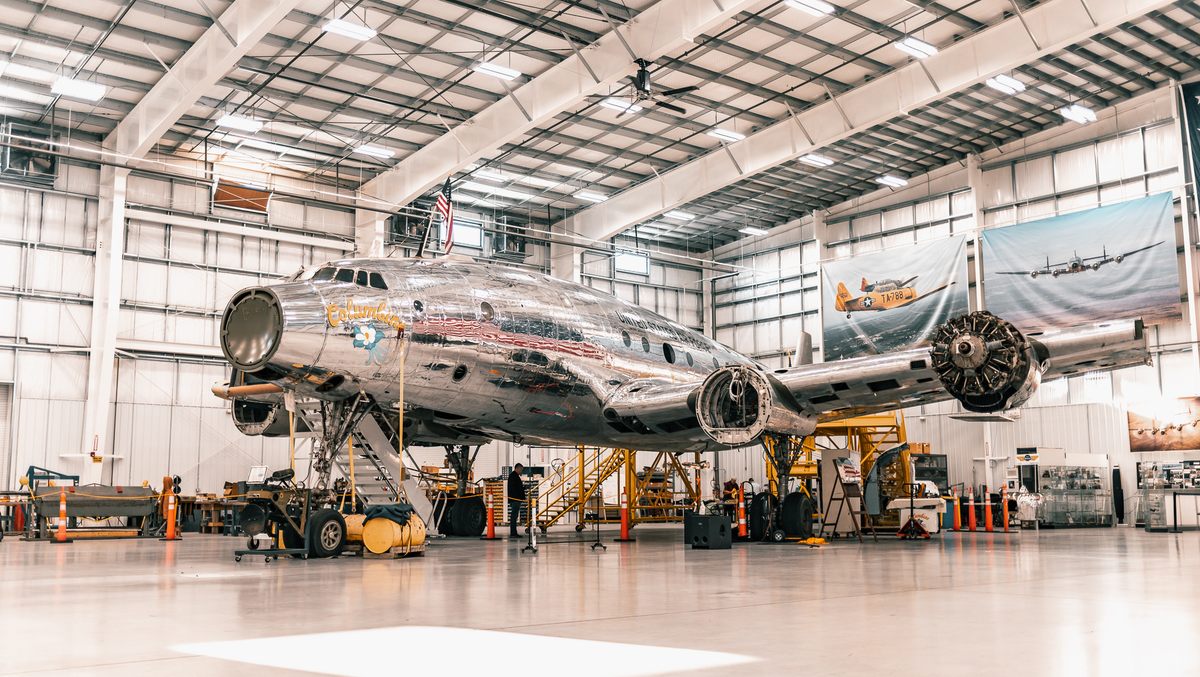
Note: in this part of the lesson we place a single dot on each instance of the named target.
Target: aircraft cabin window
(377, 281)
(645, 344)
(325, 274)
(690, 361)
(362, 280)
(486, 311)
(669, 353)
(716, 365)
(626, 339)
(344, 275)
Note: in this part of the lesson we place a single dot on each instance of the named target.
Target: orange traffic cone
(60, 535)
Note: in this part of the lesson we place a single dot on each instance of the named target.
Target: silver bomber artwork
(490, 352)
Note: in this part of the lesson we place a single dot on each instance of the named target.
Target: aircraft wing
(870, 384)
(880, 383)
(924, 295)
(1017, 272)
(1142, 249)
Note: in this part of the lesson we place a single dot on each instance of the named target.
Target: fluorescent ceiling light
(10, 92)
(78, 89)
(496, 70)
(240, 123)
(494, 190)
(375, 151)
(1006, 84)
(891, 181)
(591, 196)
(682, 216)
(813, 7)
(1078, 114)
(620, 105)
(488, 174)
(725, 134)
(816, 160)
(10, 69)
(349, 29)
(751, 230)
(915, 47)
(538, 181)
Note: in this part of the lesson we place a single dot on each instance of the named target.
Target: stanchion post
(625, 514)
(971, 508)
(1004, 507)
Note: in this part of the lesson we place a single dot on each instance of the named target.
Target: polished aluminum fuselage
(497, 351)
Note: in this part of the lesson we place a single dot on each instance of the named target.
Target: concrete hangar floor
(1083, 602)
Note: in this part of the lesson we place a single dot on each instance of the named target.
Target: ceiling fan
(643, 91)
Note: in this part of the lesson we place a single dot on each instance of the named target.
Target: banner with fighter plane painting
(1101, 264)
(893, 299)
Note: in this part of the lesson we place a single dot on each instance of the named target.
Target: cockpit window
(345, 275)
(362, 279)
(377, 281)
(324, 274)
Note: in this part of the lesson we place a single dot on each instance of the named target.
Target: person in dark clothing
(516, 499)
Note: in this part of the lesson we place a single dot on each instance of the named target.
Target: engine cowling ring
(738, 403)
(985, 362)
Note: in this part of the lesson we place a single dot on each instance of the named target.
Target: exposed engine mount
(737, 404)
(985, 363)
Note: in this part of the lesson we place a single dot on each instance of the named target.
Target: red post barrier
(957, 514)
(987, 509)
(171, 519)
(491, 518)
(971, 508)
(741, 513)
(61, 533)
(1004, 506)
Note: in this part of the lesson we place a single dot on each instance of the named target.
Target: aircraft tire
(326, 533)
(762, 505)
(797, 515)
(467, 516)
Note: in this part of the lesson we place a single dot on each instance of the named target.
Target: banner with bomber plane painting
(893, 299)
(1107, 263)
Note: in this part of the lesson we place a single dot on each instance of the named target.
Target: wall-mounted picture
(1101, 264)
(892, 299)
(1170, 426)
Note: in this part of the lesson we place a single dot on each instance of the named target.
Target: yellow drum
(354, 528)
(380, 535)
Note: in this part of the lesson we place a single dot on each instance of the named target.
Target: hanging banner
(1190, 95)
(1166, 425)
(893, 299)
(1101, 264)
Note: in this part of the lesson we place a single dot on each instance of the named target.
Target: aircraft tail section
(843, 295)
(864, 285)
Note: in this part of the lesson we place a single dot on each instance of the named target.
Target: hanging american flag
(445, 207)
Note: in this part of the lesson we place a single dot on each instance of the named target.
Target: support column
(821, 236)
(975, 182)
(106, 303)
(1187, 203)
(370, 232)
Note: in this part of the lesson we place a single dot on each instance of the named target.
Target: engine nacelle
(737, 404)
(985, 363)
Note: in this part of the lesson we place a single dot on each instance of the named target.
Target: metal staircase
(376, 469)
(570, 489)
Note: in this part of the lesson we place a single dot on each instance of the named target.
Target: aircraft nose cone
(251, 328)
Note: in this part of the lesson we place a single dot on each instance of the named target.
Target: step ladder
(377, 466)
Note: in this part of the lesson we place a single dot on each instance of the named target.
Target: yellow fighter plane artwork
(881, 295)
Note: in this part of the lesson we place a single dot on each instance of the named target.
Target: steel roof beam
(1042, 30)
(667, 25)
(240, 27)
